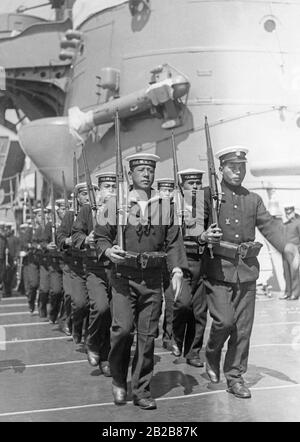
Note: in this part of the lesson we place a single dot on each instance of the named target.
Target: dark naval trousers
(291, 270)
(99, 293)
(137, 301)
(79, 296)
(66, 310)
(51, 289)
(190, 312)
(231, 307)
(31, 276)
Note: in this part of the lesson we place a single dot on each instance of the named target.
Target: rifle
(53, 215)
(31, 215)
(65, 191)
(213, 183)
(121, 210)
(75, 182)
(179, 197)
(6, 257)
(43, 218)
(90, 188)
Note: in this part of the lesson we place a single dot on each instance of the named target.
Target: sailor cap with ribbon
(289, 207)
(106, 177)
(166, 183)
(234, 154)
(139, 159)
(191, 174)
(39, 210)
(60, 202)
(83, 186)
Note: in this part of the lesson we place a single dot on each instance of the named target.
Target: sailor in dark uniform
(97, 281)
(79, 293)
(190, 308)
(54, 286)
(64, 244)
(12, 250)
(3, 244)
(40, 258)
(165, 189)
(232, 269)
(137, 280)
(291, 256)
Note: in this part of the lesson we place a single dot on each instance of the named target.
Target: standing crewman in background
(291, 256)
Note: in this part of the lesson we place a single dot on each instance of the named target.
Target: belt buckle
(144, 258)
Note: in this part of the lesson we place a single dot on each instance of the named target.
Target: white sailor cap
(191, 174)
(234, 154)
(167, 183)
(60, 202)
(104, 177)
(8, 224)
(289, 207)
(49, 208)
(39, 210)
(83, 186)
(138, 159)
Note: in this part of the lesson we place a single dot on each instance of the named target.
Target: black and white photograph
(149, 214)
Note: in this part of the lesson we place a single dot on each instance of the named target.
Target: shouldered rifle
(213, 182)
(90, 188)
(6, 257)
(121, 209)
(179, 197)
(43, 218)
(75, 182)
(31, 215)
(65, 191)
(53, 216)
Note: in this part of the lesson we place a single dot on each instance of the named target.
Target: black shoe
(167, 345)
(105, 369)
(145, 403)
(65, 329)
(285, 297)
(119, 395)
(175, 351)
(76, 338)
(93, 358)
(195, 362)
(293, 298)
(42, 312)
(240, 390)
(213, 374)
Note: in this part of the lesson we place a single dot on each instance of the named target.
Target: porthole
(270, 25)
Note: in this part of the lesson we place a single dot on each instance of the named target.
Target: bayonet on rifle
(213, 182)
(75, 182)
(90, 188)
(53, 216)
(178, 194)
(67, 206)
(121, 207)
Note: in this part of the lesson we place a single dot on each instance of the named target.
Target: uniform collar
(238, 190)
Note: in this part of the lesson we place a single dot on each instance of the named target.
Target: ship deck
(45, 377)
